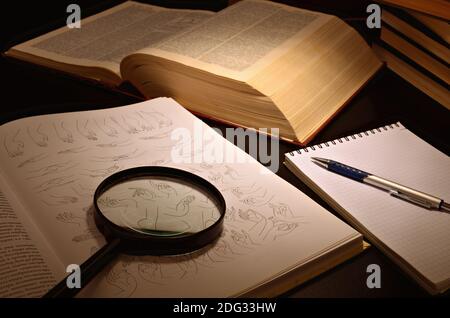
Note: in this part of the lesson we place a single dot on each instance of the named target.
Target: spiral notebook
(417, 239)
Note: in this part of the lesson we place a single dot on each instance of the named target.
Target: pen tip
(320, 162)
(323, 160)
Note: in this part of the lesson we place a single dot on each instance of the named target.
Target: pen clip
(418, 201)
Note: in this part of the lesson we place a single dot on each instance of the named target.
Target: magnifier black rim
(160, 244)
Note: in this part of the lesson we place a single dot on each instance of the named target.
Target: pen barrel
(400, 191)
(347, 171)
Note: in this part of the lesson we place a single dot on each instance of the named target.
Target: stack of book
(414, 43)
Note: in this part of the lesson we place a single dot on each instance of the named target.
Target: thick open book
(254, 64)
(275, 237)
(415, 238)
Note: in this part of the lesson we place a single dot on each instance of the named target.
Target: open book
(415, 238)
(274, 238)
(254, 64)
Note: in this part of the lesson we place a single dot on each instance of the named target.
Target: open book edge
(298, 130)
(349, 243)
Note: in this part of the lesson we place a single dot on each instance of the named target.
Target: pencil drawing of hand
(102, 172)
(32, 160)
(163, 188)
(257, 200)
(124, 282)
(84, 129)
(221, 251)
(183, 206)
(70, 218)
(143, 193)
(280, 229)
(73, 150)
(114, 144)
(149, 221)
(106, 127)
(259, 222)
(186, 267)
(142, 122)
(38, 136)
(51, 169)
(63, 133)
(131, 124)
(282, 211)
(160, 119)
(13, 145)
(54, 182)
(56, 200)
(241, 238)
(151, 272)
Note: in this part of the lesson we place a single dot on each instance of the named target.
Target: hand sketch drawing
(84, 129)
(158, 135)
(114, 144)
(57, 200)
(51, 169)
(70, 218)
(107, 127)
(160, 119)
(149, 222)
(55, 182)
(38, 136)
(132, 154)
(120, 278)
(143, 193)
(232, 173)
(14, 145)
(242, 190)
(82, 191)
(141, 122)
(73, 150)
(183, 206)
(32, 160)
(81, 151)
(102, 172)
(257, 199)
(156, 270)
(163, 188)
(63, 133)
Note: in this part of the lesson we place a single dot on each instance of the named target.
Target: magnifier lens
(159, 206)
(151, 210)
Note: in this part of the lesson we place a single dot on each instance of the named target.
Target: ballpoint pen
(397, 190)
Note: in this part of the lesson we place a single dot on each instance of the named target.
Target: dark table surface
(28, 90)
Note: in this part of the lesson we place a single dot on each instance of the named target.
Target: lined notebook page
(420, 236)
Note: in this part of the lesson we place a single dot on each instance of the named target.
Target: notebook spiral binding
(344, 139)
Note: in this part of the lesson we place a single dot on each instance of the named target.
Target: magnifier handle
(89, 269)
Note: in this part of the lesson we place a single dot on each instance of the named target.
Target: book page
(55, 163)
(241, 38)
(104, 39)
(28, 267)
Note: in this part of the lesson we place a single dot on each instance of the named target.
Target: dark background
(28, 89)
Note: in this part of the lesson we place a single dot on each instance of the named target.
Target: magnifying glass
(151, 211)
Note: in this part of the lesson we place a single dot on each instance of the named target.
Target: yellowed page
(270, 226)
(28, 266)
(105, 38)
(241, 39)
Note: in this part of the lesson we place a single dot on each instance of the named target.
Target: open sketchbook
(417, 239)
(275, 237)
(254, 64)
